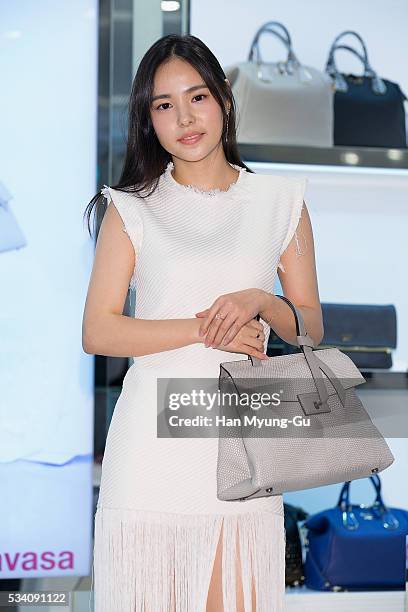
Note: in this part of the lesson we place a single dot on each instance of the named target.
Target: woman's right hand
(245, 341)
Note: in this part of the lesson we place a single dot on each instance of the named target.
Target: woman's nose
(185, 118)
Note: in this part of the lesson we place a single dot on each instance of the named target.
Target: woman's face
(178, 112)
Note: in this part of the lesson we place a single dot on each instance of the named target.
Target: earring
(226, 132)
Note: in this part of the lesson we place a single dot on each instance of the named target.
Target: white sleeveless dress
(158, 519)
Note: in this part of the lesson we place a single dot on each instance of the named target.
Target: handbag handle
(356, 53)
(377, 84)
(352, 33)
(301, 333)
(254, 54)
(344, 497)
(379, 508)
(316, 365)
(269, 27)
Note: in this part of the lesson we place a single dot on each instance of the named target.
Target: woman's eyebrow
(190, 89)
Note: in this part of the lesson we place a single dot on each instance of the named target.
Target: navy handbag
(368, 110)
(353, 547)
(367, 333)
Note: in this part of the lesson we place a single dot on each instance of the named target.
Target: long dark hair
(145, 158)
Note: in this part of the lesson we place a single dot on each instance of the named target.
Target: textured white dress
(158, 519)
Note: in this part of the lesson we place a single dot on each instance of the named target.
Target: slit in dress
(163, 562)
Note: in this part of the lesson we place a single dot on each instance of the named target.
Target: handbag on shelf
(336, 440)
(367, 333)
(284, 102)
(353, 547)
(294, 573)
(368, 110)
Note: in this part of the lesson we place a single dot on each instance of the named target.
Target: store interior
(356, 196)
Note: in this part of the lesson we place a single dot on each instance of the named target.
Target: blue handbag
(353, 547)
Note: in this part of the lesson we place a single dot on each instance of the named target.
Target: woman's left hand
(234, 310)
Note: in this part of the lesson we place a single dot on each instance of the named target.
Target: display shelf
(385, 379)
(307, 600)
(368, 157)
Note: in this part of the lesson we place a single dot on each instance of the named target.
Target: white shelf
(306, 600)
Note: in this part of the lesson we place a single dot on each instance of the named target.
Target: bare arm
(105, 330)
(299, 284)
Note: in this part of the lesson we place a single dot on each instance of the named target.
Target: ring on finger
(220, 316)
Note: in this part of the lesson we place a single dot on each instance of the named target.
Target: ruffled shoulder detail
(105, 192)
(132, 221)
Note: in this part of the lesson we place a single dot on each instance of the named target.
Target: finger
(205, 311)
(250, 350)
(255, 324)
(211, 332)
(256, 343)
(258, 332)
(214, 330)
(255, 327)
(211, 312)
(260, 339)
(258, 350)
(202, 314)
(229, 337)
(259, 335)
(225, 328)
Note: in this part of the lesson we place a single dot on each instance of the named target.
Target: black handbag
(294, 573)
(366, 333)
(368, 110)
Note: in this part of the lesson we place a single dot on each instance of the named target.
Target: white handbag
(281, 103)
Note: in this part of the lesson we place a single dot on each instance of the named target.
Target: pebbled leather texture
(340, 443)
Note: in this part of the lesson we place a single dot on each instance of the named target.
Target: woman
(200, 238)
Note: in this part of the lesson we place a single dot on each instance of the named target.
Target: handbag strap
(254, 54)
(316, 365)
(377, 84)
(356, 53)
(344, 497)
(379, 509)
(350, 33)
(269, 26)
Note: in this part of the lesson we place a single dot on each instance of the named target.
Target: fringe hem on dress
(162, 562)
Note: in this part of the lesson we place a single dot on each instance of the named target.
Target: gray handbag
(284, 102)
(340, 442)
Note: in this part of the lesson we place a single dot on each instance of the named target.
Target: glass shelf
(364, 157)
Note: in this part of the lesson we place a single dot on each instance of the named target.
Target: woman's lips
(192, 140)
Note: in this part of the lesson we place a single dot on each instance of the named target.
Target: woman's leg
(214, 601)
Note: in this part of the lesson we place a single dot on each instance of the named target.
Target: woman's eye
(158, 107)
(164, 103)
